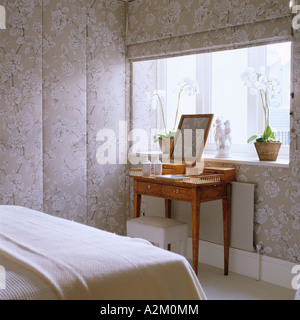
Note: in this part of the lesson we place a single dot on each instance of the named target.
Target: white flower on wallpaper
(246, 13)
(293, 190)
(16, 143)
(48, 44)
(294, 253)
(59, 18)
(68, 68)
(20, 13)
(262, 214)
(57, 198)
(295, 163)
(12, 185)
(283, 218)
(107, 211)
(200, 17)
(21, 122)
(223, 8)
(240, 36)
(171, 12)
(68, 178)
(31, 84)
(33, 199)
(274, 234)
(12, 97)
(295, 213)
(271, 189)
(150, 19)
(259, 31)
(10, 65)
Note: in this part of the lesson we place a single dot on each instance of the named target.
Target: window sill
(236, 158)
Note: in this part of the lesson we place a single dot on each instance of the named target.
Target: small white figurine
(228, 140)
(222, 138)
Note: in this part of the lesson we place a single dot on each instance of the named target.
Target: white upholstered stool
(159, 230)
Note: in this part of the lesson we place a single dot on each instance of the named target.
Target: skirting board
(271, 270)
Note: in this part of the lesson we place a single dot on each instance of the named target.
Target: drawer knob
(176, 191)
(149, 186)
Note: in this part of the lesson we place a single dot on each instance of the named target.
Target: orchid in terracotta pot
(259, 82)
(188, 86)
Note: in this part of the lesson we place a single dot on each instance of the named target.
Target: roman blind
(161, 28)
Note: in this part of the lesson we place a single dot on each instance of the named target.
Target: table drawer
(149, 189)
(213, 192)
(177, 193)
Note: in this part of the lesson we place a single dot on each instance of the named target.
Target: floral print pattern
(63, 76)
(202, 25)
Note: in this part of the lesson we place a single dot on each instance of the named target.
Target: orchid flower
(186, 85)
(261, 83)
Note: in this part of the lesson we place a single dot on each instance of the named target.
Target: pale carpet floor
(237, 287)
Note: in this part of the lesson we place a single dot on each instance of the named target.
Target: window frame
(204, 101)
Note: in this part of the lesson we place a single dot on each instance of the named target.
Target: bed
(43, 257)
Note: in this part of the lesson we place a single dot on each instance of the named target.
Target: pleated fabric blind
(161, 28)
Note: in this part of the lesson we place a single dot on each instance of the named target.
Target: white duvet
(81, 262)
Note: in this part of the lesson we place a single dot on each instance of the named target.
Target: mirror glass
(191, 138)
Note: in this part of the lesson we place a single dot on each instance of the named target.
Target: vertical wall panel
(64, 109)
(106, 181)
(21, 105)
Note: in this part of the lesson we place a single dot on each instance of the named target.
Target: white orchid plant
(259, 82)
(188, 86)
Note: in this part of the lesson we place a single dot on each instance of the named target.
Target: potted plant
(166, 138)
(266, 145)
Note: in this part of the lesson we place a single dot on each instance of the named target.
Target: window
(222, 93)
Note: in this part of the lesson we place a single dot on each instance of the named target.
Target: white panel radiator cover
(211, 217)
(242, 218)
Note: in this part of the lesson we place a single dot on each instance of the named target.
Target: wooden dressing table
(213, 184)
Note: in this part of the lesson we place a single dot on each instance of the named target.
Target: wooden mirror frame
(209, 118)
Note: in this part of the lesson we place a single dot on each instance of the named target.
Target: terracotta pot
(267, 151)
(166, 145)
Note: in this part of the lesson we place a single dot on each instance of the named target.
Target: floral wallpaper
(277, 209)
(62, 75)
(167, 28)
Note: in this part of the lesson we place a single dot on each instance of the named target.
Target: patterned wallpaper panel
(62, 79)
(21, 145)
(277, 209)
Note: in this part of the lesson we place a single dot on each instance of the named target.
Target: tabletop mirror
(191, 137)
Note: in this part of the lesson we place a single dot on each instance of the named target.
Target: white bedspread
(82, 262)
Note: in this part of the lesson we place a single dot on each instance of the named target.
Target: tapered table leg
(195, 231)
(168, 212)
(226, 228)
(136, 202)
